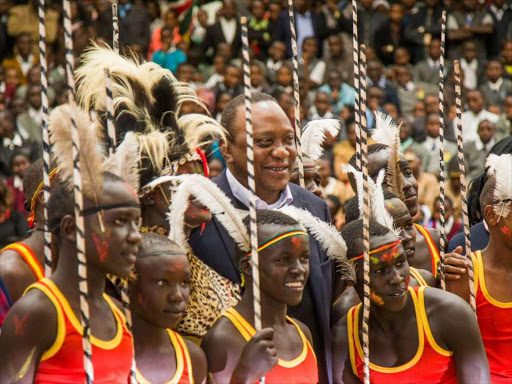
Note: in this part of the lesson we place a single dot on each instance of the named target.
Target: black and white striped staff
(296, 94)
(366, 219)
(441, 149)
(357, 112)
(462, 169)
(111, 129)
(46, 139)
(115, 28)
(79, 200)
(250, 172)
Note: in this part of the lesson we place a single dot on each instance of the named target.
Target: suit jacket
(496, 98)
(216, 248)
(215, 36)
(474, 159)
(424, 73)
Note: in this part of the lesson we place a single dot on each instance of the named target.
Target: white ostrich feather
(385, 129)
(314, 135)
(125, 161)
(379, 211)
(501, 168)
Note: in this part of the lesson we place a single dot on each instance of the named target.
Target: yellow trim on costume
(61, 322)
(483, 286)
(426, 326)
(476, 269)
(29, 258)
(240, 323)
(350, 331)
(107, 345)
(187, 356)
(421, 342)
(417, 275)
(431, 246)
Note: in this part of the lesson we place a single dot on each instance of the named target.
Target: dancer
(412, 338)
(22, 263)
(492, 269)
(43, 324)
(282, 350)
(159, 294)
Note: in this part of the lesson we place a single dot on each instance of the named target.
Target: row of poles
(359, 59)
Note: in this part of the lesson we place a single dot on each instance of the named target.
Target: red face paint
(407, 279)
(139, 299)
(296, 242)
(102, 246)
(389, 256)
(507, 232)
(19, 324)
(376, 299)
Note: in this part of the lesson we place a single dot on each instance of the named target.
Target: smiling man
(274, 159)
(412, 339)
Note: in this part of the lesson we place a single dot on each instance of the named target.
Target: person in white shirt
(475, 114)
(432, 143)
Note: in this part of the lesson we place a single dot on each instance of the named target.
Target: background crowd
(199, 41)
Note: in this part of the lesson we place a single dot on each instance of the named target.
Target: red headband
(376, 250)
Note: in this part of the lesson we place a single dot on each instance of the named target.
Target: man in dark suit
(274, 159)
(225, 30)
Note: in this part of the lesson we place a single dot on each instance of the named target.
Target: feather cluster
(501, 168)
(125, 161)
(209, 195)
(385, 129)
(62, 143)
(393, 171)
(328, 237)
(313, 136)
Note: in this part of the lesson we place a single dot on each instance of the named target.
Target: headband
(377, 250)
(278, 237)
(99, 208)
(40, 187)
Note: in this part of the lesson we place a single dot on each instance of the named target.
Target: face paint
(388, 257)
(102, 246)
(139, 299)
(507, 232)
(376, 298)
(19, 324)
(296, 242)
(374, 260)
(407, 279)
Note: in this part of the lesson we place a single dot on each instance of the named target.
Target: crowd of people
(165, 212)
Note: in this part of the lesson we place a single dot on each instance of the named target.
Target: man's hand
(258, 357)
(455, 264)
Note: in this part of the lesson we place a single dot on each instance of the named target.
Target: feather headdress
(385, 129)
(209, 195)
(62, 143)
(314, 135)
(501, 168)
(125, 161)
(328, 237)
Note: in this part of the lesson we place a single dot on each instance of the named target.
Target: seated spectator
(504, 123)
(375, 102)
(12, 81)
(215, 167)
(221, 101)
(329, 185)
(231, 83)
(34, 77)
(322, 108)
(419, 109)
(199, 28)
(13, 226)
(134, 24)
(431, 102)
(452, 226)
(23, 59)
(501, 13)
(311, 68)
(427, 71)
(173, 35)
(506, 58)
(259, 30)
(471, 66)
(428, 185)
(258, 83)
(277, 54)
(408, 93)
(401, 56)
(475, 152)
(494, 109)
(376, 78)
(336, 210)
(287, 104)
(432, 143)
(391, 110)
(185, 72)
(390, 35)
(214, 73)
(407, 143)
(19, 163)
(225, 30)
(344, 150)
(476, 113)
(168, 56)
(340, 93)
(29, 123)
(496, 88)
(339, 60)
(284, 79)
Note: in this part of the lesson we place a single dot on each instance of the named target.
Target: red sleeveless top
(495, 321)
(63, 362)
(301, 370)
(434, 252)
(184, 372)
(430, 365)
(28, 255)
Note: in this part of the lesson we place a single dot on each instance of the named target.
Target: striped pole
(111, 129)
(462, 168)
(79, 200)
(357, 112)
(441, 148)
(366, 219)
(296, 94)
(46, 140)
(252, 184)
(115, 28)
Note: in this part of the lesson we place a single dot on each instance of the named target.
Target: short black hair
(373, 148)
(230, 112)
(352, 233)
(487, 195)
(151, 240)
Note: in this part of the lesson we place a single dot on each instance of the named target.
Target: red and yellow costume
(184, 372)
(63, 362)
(430, 365)
(301, 370)
(417, 276)
(434, 252)
(495, 321)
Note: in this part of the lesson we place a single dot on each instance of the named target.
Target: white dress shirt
(470, 123)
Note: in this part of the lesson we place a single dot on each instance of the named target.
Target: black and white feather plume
(125, 161)
(501, 168)
(313, 136)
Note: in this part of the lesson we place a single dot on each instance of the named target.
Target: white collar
(473, 66)
(479, 145)
(497, 85)
(242, 194)
(433, 63)
(17, 183)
